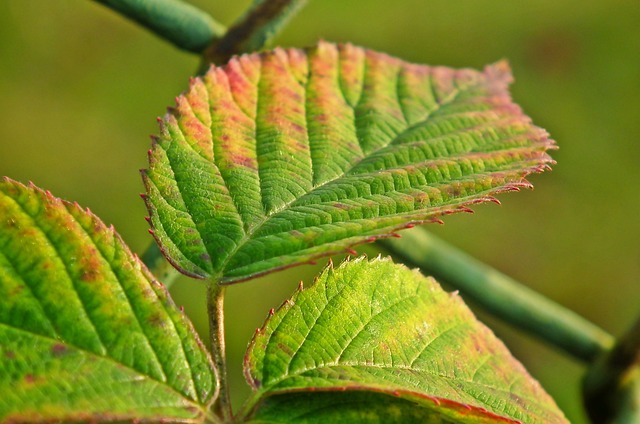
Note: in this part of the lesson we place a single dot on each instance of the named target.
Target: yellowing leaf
(281, 157)
(86, 334)
(379, 340)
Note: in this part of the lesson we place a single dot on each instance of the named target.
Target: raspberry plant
(269, 160)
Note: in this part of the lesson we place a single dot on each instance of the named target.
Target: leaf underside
(375, 340)
(279, 158)
(86, 334)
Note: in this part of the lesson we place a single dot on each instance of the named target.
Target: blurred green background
(80, 88)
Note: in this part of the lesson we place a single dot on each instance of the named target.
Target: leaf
(86, 334)
(282, 157)
(352, 407)
(387, 335)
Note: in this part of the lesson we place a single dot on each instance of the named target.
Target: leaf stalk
(215, 308)
(501, 295)
(253, 31)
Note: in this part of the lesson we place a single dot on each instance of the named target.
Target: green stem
(253, 30)
(612, 385)
(158, 265)
(182, 24)
(501, 295)
(215, 307)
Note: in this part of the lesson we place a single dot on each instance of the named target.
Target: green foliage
(89, 335)
(273, 160)
(279, 158)
(379, 327)
(85, 331)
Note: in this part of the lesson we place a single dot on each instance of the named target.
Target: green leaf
(352, 407)
(384, 329)
(282, 157)
(86, 334)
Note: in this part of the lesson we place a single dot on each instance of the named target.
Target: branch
(259, 25)
(501, 295)
(612, 385)
(180, 23)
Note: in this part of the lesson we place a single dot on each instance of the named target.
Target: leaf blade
(307, 153)
(78, 305)
(381, 328)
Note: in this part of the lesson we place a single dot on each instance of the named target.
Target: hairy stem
(215, 307)
(180, 23)
(612, 385)
(501, 295)
(253, 30)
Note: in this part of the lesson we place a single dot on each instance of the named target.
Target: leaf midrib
(268, 388)
(64, 206)
(249, 234)
(106, 359)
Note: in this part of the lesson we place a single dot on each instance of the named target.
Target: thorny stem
(215, 306)
(180, 23)
(612, 385)
(501, 295)
(255, 29)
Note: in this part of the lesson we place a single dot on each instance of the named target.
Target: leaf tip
(500, 71)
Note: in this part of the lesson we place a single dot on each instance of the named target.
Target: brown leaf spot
(245, 161)
(298, 128)
(286, 349)
(58, 350)
(89, 265)
(30, 379)
(156, 320)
